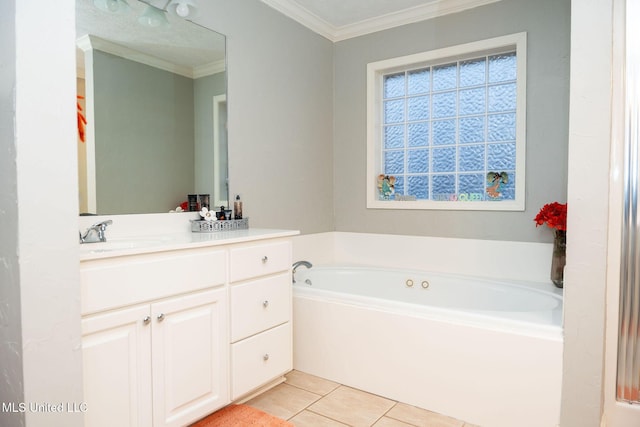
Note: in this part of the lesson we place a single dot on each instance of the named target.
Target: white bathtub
(488, 352)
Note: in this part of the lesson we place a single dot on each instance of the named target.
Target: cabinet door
(190, 357)
(116, 357)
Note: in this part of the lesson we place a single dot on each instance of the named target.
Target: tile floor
(309, 401)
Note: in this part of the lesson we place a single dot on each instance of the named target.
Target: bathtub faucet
(95, 233)
(295, 267)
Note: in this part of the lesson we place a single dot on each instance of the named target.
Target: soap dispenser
(237, 208)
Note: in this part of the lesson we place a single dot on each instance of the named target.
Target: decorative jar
(558, 258)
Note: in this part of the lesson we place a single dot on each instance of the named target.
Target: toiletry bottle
(204, 201)
(193, 202)
(221, 214)
(237, 208)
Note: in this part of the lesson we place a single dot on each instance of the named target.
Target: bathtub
(485, 351)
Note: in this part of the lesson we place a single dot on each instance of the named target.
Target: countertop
(143, 244)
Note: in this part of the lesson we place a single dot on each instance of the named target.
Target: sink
(120, 244)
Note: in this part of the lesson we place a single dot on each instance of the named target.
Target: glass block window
(446, 128)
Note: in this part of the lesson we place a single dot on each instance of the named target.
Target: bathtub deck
(307, 400)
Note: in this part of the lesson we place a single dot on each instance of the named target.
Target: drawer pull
(265, 357)
(160, 317)
(265, 304)
(146, 320)
(265, 259)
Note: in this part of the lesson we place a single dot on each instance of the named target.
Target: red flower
(554, 215)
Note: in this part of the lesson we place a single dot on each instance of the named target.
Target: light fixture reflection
(183, 8)
(153, 17)
(113, 6)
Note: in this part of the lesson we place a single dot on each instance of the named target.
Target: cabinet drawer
(258, 260)
(117, 282)
(260, 359)
(259, 305)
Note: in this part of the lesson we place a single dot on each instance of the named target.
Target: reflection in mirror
(154, 99)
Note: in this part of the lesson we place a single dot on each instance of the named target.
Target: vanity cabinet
(163, 362)
(171, 336)
(260, 313)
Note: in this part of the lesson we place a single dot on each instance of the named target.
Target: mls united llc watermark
(43, 407)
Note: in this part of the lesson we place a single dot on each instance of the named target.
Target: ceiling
(182, 43)
(342, 19)
(190, 46)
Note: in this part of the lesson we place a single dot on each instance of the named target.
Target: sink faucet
(95, 233)
(295, 267)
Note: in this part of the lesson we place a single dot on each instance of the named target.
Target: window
(446, 128)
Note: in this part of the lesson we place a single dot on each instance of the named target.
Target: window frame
(375, 73)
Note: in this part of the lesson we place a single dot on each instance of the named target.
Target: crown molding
(93, 42)
(423, 12)
(209, 69)
(89, 42)
(298, 13)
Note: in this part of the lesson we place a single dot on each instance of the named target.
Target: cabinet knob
(146, 320)
(265, 304)
(265, 259)
(160, 317)
(265, 357)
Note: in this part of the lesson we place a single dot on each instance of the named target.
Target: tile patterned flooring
(309, 401)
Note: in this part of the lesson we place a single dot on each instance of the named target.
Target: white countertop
(144, 244)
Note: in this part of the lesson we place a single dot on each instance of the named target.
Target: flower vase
(559, 258)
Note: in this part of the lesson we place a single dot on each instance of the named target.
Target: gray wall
(547, 23)
(144, 127)
(280, 76)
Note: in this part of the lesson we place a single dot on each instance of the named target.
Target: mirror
(154, 101)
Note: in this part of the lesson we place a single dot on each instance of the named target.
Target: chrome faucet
(295, 267)
(95, 233)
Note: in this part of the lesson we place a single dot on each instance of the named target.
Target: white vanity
(178, 326)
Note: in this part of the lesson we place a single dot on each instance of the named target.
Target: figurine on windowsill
(495, 181)
(386, 186)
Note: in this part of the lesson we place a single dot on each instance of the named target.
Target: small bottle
(237, 208)
(193, 202)
(221, 214)
(204, 201)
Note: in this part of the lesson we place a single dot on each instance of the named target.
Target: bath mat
(240, 416)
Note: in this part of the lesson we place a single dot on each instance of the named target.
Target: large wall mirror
(154, 94)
